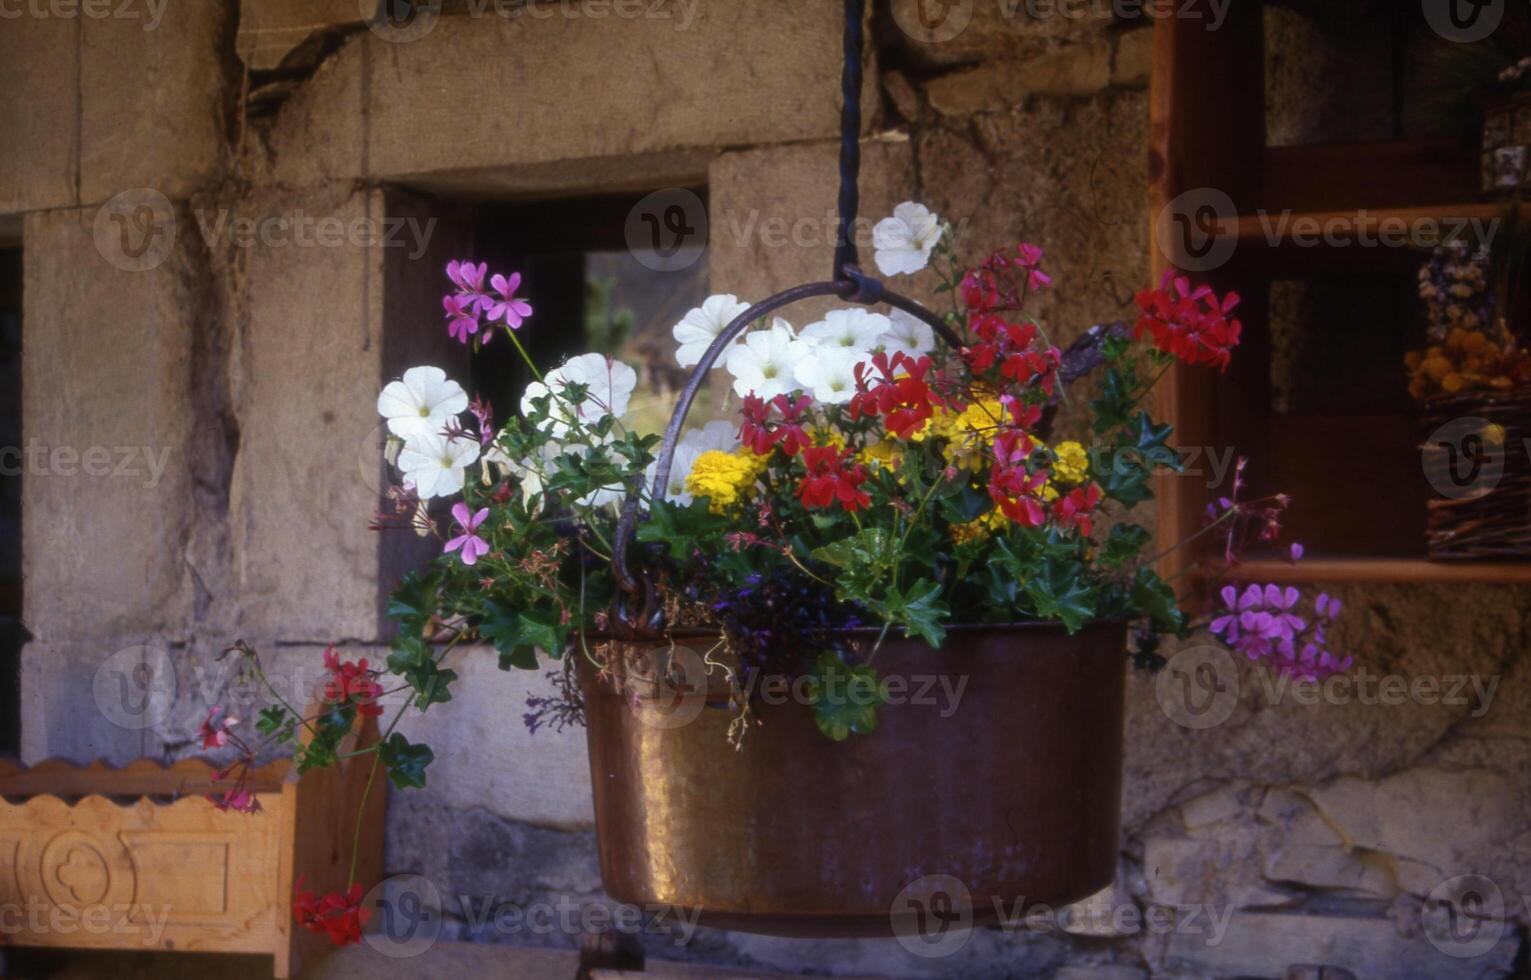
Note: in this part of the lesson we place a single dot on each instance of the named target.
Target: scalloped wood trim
(141, 777)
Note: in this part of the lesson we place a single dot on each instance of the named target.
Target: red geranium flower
(339, 914)
(830, 478)
(896, 389)
(1074, 509)
(351, 683)
(1192, 324)
(762, 434)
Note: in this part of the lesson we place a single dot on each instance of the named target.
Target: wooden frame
(1206, 130)
(96, 857)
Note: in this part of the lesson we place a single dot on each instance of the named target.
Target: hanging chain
(847, 263)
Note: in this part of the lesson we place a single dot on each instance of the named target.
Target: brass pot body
(998, 766)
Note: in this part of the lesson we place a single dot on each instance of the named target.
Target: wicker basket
(1475, 456)
(1506, 157)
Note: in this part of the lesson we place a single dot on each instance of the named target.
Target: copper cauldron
(996, 765)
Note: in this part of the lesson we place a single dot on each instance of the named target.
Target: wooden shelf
(1406, 570)
(1347, 223)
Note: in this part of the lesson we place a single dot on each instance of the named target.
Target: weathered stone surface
(155, 98)
(772, 215)
(486, 758)
(1077, 191)
(271, 30)
(1265, 945)
(305, 565)
(106, 418)
(982, 30)
(1280, 734)
(1078, 69)
(1134, 57)
(84, 700)
(39, 157)
(668, 82)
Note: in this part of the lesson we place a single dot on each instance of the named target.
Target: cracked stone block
(107, 418)
(1076, 191)
(961, 33)
(1265, 945)
(772, 214)
(155, 97)
(39, 158)
(308, 475)
(1438, 823)
(1078, 69)
(85, 699)
(270, 31)
(686, 83)
(541, 778)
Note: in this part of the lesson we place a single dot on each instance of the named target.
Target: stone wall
(187, 300)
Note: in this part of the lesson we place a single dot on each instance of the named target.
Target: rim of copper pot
(1034, 625)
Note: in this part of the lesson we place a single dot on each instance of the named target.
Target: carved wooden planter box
(95, 857)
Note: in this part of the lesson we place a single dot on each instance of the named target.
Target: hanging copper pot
(996, 765)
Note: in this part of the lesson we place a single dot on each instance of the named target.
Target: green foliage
(845, 698)
(405, 761)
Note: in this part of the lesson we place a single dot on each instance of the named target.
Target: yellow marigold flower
(886, 454)
(722, 477)
(979, 529)
(1073, 464)
(938, 426)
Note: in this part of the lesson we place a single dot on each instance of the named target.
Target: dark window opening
(590, 293)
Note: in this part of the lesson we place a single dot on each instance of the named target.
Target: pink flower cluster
(471, 301)
(1263, 624)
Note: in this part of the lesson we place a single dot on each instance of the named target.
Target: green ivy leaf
(845, 699)
(1123, 544)
(1153, 597)
(1058, 594)
(271, 719)
(406, 762)
(918, 610)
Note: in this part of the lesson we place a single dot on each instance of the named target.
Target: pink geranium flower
(215, 736)
(504, 305)
(462, 318)
(469, 280)
(473, 547)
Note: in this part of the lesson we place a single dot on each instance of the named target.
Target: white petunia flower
(854, 329)
(904, 241)
(422, 403)
(765, 363)
(608, 386)
(435, 463)
(830, 374)
(908, 333)
(700, 327)
(719, 435)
